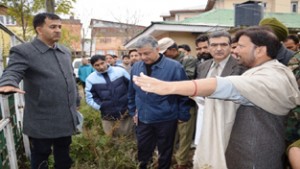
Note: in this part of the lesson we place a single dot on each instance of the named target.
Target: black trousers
(149, 136)
(42, 148)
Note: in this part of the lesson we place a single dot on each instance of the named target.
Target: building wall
(109, 45)
(279, 6)
(18, 31)
(108, 41)
(168, 18)
(3, 10)
(109, 37)
(74, 35)
(5, 43)
(182, 16)
(282, 6)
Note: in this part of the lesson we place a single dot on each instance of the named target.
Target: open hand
(10, 89)
(149, 84)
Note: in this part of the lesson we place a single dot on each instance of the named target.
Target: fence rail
(12, 147)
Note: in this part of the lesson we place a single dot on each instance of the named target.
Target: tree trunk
(50, 6)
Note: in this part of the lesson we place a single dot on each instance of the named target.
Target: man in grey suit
(219, 48)
(51, 98)
(222, 64)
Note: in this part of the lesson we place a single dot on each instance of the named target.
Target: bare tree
(129, 24)
(50, 6)
(23, 10)
(85, 17)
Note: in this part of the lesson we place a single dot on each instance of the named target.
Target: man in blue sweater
(84, 71)
(155, 116)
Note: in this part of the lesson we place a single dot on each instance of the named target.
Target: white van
(76, 64)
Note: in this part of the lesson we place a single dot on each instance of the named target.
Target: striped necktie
(215, 70)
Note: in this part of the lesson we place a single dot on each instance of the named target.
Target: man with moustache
(292, 43)
(264, 100)
(202, 48)
(50, 115)
(222, 64)
(219, 47)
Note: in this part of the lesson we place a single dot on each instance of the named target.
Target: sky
(140, 12)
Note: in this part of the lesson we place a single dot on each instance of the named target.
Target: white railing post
(19, 106)
(8, 133)
(7, 122)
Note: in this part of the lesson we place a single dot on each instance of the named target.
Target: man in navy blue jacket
(156, 116)
(106, 90)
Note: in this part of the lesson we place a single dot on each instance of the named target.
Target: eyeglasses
(222, 45)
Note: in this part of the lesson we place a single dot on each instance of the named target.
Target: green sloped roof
(221, 17)
(291, 20)
(225, 17)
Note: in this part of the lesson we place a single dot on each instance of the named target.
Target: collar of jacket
(159, 64)
(42, 47)
(109, 69)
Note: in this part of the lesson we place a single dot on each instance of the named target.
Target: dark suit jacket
(231, 68)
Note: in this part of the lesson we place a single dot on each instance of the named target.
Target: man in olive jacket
(50, 99)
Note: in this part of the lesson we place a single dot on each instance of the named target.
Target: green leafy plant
(93, 149)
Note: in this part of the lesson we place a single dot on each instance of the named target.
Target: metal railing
(12, 146)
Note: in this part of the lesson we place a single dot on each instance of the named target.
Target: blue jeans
(149, 136)
(41, 149)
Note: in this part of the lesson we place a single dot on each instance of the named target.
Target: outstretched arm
(200, 87)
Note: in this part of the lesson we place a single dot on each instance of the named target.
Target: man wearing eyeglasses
(219, 47)
(212, 144)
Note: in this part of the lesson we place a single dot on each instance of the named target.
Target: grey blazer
(231, 68)
(50, 98)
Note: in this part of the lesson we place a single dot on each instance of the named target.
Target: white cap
(164, 44)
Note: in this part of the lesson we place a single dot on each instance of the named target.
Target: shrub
(93, 149)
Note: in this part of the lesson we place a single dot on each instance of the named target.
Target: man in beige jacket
(266, 92)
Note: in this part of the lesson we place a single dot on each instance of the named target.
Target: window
(7, 20)
(10, 21)
(265, 5)
(103, 30)
(2, 19)
(294, 6)
(105, 40)
(112, 52)
(100, 52)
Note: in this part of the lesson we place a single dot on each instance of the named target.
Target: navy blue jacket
(108, 92)
(152, 108)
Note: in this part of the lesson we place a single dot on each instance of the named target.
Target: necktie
(215, 70)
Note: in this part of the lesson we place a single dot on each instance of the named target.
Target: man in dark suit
(51, 99)
(219, 48)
